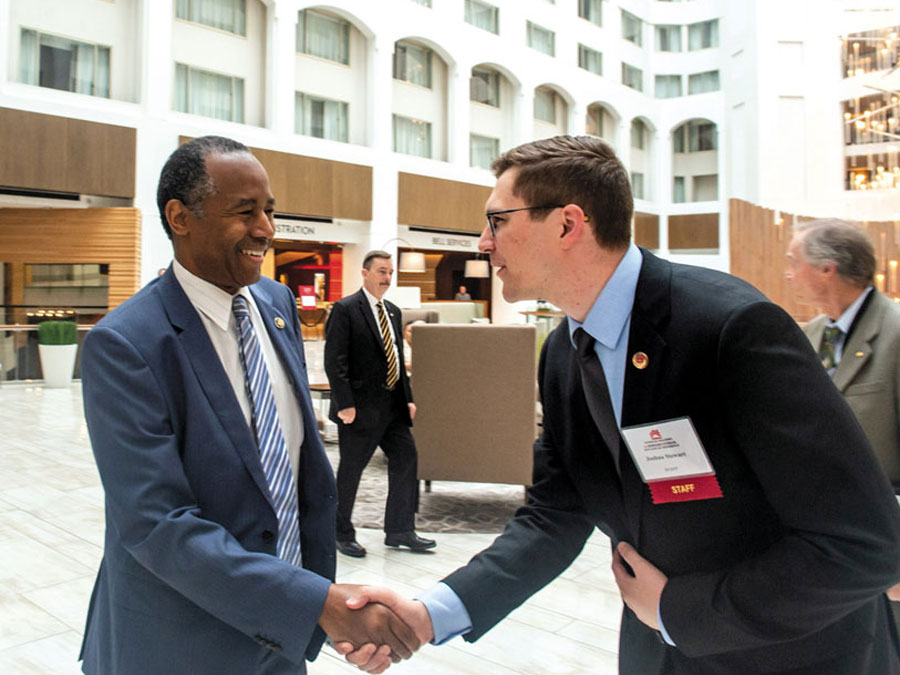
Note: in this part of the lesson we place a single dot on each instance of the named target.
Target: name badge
(672, 462)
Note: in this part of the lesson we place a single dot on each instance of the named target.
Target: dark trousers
(357, 445)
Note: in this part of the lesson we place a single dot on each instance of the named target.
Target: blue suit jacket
(190, 582)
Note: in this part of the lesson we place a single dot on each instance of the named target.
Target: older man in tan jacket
(831, 264)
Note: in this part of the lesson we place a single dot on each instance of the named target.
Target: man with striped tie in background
(371, 402)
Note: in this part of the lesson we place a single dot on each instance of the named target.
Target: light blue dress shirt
(844, 322)
(607, 322)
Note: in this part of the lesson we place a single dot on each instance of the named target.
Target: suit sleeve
(337, 356)
(537, 545)
(153, 512)
(841, 542)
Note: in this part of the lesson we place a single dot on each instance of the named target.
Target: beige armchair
(475, 393)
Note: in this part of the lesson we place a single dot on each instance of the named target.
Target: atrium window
(668, 86)
(322, 35)
(483, 150)
(227, 15)
(201, 92)
(870, 51)
(592, 10)
(668, 38)
(632, 77)
(703, 35)
(61, 63)
(320, 117)
(545, 105)
(638, 134)
(412, 136)
(482, 15)
(541, 39)
(484, 87)
(590, 59)
(637, 185)
(412, 63)
(632, 28)
(695, 136)
(678, 194)
(598, 122)
(700, 83)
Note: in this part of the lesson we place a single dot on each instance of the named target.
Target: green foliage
(57, 333)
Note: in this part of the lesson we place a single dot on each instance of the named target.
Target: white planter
(57, 364)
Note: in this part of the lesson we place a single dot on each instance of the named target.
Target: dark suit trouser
(357, 445)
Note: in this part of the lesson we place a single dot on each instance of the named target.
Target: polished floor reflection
(51, 538)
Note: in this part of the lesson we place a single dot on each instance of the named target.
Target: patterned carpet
(449, 507)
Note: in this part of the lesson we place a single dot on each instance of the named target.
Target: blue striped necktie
(272, 451)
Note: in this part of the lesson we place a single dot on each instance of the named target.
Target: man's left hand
(642, 591)
(412, 410)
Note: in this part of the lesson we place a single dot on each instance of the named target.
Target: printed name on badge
(672, 461)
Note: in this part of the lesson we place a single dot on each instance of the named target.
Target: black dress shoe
(351, 548)
(409, 539)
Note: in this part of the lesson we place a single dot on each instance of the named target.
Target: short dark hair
(842, 242)
(184, 175)
(580, 170)
(371, 255)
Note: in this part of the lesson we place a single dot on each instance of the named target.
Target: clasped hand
(384, 636)
(376, 655)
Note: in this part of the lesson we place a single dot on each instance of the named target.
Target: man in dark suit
(769, 547)
(219, 552)
(372, 405)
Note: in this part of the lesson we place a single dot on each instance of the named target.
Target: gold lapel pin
(859, 354)
(640, 360)
(279, 323)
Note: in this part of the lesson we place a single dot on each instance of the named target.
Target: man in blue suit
(193, 578)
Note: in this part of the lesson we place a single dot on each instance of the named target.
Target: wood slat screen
(109, 236)
(441, 204)
(60, 154)
(759, 248)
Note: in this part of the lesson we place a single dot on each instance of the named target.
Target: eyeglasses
(492, 214)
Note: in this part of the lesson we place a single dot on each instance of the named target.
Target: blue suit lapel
(211, 375)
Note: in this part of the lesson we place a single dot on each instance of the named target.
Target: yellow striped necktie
(388, 343)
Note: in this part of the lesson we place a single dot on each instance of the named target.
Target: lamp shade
(412, 261)
(478, 269)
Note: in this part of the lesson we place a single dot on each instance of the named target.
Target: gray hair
(843, 243)
(184, 175)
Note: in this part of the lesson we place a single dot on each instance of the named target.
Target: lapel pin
(640, 360)
(859, 354)
(279, 323)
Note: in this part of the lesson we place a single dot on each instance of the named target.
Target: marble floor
(51, 537)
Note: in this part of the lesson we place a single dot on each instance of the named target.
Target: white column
(281, 59)
(6, 28)
(662, 187)
(524, 114)
(458, 115)
(577, 117)
(157, 67)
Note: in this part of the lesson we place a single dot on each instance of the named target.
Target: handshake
(374, 627)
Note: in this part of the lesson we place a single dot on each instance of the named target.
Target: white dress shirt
(214, 307)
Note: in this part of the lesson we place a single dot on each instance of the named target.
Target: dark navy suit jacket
(786, 572)
(189, 581)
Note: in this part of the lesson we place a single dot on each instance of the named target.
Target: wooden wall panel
(441, 204)
(759, 243)
(646, 230)
(107, 236)
(59, 154)
(694, 231)
(308, 186)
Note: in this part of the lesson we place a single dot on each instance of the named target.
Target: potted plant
(57, 345)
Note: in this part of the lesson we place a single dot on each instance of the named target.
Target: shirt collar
(371, 298)
(607, 318)
(845, 320)
(208, 298)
